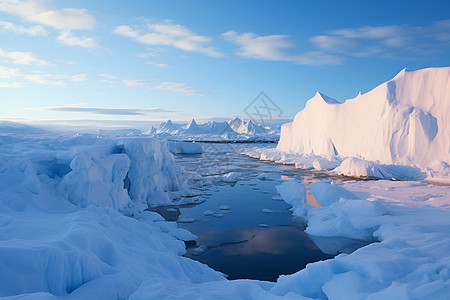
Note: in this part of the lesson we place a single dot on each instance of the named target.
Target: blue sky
(129, 63)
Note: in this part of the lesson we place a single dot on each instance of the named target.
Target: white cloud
(169, 34)
(156, 64)
(22, 8)
(65, 19)
(11, 84)
(79, 78)
(137, 82)
(6, 73)
(68, 38)
(18, 29)
(22, 58)
(47, 79)
(332, 42)
(107, 76)
(387, 41)
(270, 47)
(369, 32)
(276, 48)
(178, 87)
(104, 111)
(38, 12)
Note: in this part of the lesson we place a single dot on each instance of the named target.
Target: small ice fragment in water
(268, 210)
(262, 176)
(218, 215)
(224, 207)
(263, 225)
(208, 212)
(277, 198)
(185, 220)
(199, 250)
(170, 209)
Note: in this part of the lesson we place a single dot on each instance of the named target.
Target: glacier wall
(403, 121)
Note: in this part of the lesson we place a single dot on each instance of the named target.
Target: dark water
(248, 231)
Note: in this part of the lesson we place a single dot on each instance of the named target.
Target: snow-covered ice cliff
(404, 121)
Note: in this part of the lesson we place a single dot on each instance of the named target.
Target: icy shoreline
(58, 240)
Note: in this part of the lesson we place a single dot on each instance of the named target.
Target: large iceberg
(403, 121)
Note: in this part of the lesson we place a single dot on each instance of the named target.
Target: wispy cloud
(179, 88)
(79, 78)
(68, 38)
(38, 12)
(270, 47)
(23, 58)
(156, 64)
(11, 84)
(104, 111)
(136, 82)
(47, 79)
(107, 76)
(276, 48)
(18, 29)
(168, 34)
(6, 73)
(386, 41)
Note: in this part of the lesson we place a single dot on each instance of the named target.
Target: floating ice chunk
(263, 225)
(327, 193)
(183, 234)
(218, 215)
(208, 212)
(263, 176)
(224, 207)
(277, 198)
(148, 216)
(171, 209)
(292, 192)
(268, 210)
(184, 147)
(230, 177)
(199, 250)
(186, 220)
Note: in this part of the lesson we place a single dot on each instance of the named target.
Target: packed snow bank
(127, 174)
(184, 147)
(95, 253)
(410, 261)
(403, 121)
(60, 234)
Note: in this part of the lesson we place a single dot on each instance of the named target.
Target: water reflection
(257, 238)
(262, 253)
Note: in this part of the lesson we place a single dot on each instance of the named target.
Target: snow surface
(61, 230)
(56, 244)
(404, 121)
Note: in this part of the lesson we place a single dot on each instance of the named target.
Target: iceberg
(402, 122)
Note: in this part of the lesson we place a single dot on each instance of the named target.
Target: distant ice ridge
(404, 121)
(236, 129)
